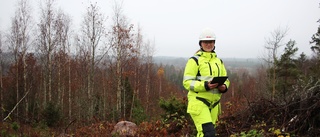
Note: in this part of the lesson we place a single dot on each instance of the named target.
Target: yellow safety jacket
(201, 68)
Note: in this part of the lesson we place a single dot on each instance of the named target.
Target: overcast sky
(241, 26)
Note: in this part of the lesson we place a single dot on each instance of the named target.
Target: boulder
(125, 128)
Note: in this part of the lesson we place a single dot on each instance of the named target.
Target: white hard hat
(207, 34)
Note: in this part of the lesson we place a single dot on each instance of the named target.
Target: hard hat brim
(207, 39)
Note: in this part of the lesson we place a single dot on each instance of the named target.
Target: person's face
(207, 45)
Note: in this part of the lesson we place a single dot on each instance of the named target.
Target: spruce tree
(288, 72)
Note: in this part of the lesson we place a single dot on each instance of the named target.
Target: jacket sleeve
(224, 73)
(190, 81)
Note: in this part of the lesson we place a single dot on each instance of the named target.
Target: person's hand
(222, 87)
(212, 86)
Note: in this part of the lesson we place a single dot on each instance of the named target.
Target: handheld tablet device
(219, 80)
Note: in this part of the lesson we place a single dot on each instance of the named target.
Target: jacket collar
(206, 54)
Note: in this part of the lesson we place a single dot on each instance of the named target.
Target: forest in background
(53, 80)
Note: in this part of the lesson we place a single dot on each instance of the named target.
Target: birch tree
(121, 45)
(62, 25)
(273, 45)
(137, 68)
(47, 43)
(19, 43)
(148, 51)
(93, 35)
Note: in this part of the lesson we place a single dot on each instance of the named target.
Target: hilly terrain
(250, 64)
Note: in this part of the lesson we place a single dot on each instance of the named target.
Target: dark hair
(214, 41)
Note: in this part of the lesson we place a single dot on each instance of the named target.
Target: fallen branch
(15, 106)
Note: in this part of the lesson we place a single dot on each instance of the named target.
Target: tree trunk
(118, 75)
(89, 94)
(69, 89)
(25, 85)
(44, 88)
(17, 86)
(1, 85)
(274, 82)
(91, 78)
(50, 75)
(59, 100)
(124, 100)
(135, 90)
(147, 85)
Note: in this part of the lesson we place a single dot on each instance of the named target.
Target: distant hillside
(178, 62)
(167, 60)
(230, 63)
(242, 62)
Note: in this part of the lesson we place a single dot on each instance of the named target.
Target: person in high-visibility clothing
(204, 97)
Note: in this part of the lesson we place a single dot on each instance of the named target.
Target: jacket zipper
(210, 69)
